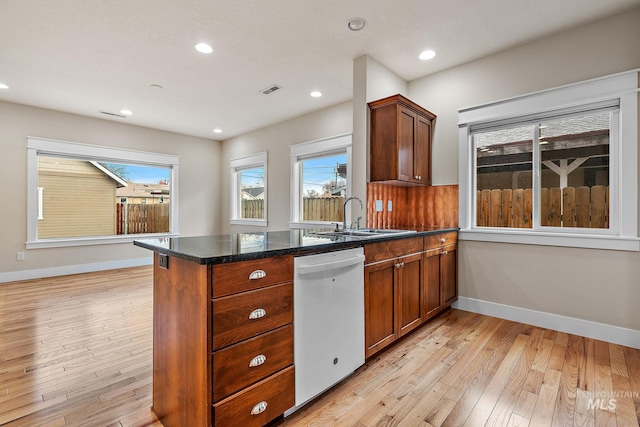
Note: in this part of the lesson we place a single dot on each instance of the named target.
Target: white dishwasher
(328, 319)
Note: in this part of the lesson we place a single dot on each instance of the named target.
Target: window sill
(615, 243)
(255, 222)
(89, 241)
(314, 224)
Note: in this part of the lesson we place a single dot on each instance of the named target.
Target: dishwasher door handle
(314, 268)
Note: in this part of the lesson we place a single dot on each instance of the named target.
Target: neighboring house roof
(119, 181)
(253, 193)
(137, 189)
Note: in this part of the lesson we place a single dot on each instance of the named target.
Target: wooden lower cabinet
(407, 284)
(222, 347)
(449, 275)
(393, 303)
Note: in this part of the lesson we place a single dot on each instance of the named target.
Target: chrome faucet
(344, 210)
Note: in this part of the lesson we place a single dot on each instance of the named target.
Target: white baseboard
(13, 276)
(571, 325)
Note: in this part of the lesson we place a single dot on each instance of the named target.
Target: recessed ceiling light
(217, 130)
(204, 48)
(356, 24)
(156, 86)
(126, 112)
(316, 94)
(427, 54)
(3, 86)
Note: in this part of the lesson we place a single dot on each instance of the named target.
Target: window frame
(237, 165)
(304, 151)
(77, 151)
(620, 89)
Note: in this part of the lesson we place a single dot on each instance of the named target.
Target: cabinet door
(409, 276)
(431, 291)
(448, 275)
(380, 306)
(422, 151)
(406, 137)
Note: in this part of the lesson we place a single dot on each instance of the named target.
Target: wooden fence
(586, 207)
(135, 218)
(323, 209)
(313, 208)
(252, 208)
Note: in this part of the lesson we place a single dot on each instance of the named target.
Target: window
(249, 190)
(556, 167)
(321, 181)
(82, 194)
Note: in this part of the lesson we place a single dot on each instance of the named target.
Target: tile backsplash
(420, 206)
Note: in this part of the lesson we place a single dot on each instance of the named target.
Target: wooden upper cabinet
(400, 141)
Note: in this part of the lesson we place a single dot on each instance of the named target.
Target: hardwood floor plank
(77, 351)
(543, 412)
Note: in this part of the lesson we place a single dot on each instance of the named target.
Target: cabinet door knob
(259, 408)
(445, 252)
(442, 240)
(257, 274)
(257, 313)
(258, 360)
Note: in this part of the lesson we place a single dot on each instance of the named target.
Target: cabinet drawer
(275, 394)
(375, 252)
(434, 241)
(244, 276)
(252, 313)
(242, 364)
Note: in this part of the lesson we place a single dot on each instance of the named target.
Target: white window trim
(334, 144)
(622, 86)
(237, 164)
(43, 146)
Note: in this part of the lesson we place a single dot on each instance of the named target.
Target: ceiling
(89, 56)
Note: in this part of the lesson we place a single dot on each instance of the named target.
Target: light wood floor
(76, 351)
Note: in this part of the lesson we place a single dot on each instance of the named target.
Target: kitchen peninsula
(223, 313)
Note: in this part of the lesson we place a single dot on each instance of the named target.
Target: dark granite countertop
(244, 246)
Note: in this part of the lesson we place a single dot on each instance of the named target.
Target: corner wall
(594, 285)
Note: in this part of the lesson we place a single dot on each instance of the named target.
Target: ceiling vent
(113, 114)
(271, 89)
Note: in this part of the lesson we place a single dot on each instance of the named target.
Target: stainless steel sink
(366, 232)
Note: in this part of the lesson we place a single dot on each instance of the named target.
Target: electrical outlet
(20, 256)
(378, 205)
(163, 261)
(389, 205)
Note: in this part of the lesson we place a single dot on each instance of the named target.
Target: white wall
(199, 187)
(276, 140)
(594, 285)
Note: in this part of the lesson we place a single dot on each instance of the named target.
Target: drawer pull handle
(259, 408)
(442, 240)
(258, 360)
(257, 313)
(257, 274)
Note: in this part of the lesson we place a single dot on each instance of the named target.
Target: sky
(145, 174)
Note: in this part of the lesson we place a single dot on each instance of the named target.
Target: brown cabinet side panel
(181, 346)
